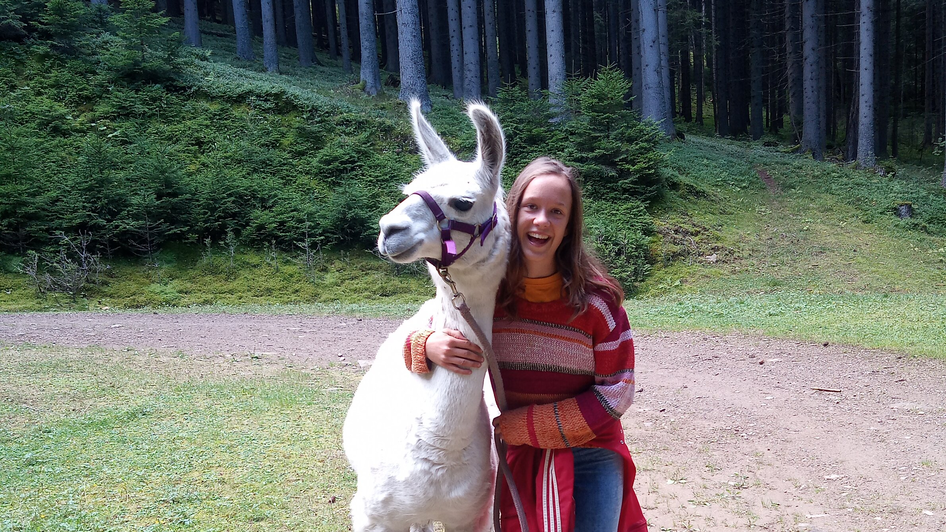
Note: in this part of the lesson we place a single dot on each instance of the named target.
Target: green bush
(620, 235)
(614, 151)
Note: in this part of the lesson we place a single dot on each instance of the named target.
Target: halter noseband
(448, 253)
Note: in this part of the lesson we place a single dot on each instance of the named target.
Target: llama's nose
(390, 227)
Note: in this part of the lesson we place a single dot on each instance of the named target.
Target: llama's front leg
(362, 522)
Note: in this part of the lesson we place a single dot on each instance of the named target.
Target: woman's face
(542, 222)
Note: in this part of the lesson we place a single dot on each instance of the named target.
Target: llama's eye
(461, 205)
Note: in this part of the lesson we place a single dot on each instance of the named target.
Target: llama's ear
(432, 149)
(490, 143)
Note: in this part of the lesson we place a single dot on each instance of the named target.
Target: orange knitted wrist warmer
(415, 351)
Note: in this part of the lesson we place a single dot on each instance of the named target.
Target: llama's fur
(420, 444)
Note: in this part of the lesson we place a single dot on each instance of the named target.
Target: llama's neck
(455, 419)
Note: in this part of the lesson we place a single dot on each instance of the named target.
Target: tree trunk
(882, 80)
(665, 80)
(597, 16)
(812, 132)
(654, 104)
(191, 23)
(471, 49)
(686, 94)
(241, 23)
(343, 33)
(439, 44)
(796, 77)
(270, 53)
(456, 46)
(897, 83)
(757, 128)
(625, 61)
(699, 60)
(413, 75)
(865, 130)
(839, 46)
(930, 92)
(507, 40)
(304, 33)
(574, 31)
(738, 80)
(555, 44)
(721, 67)
(370, 69)
(330, 23)
(534, 73)
(637, 52)
(613, 33)
(279, 10)
(652, 93)
(492, 48)
(589, 56)
(390, 36)
(354, 34)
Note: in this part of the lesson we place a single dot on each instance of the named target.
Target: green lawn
(107, 440)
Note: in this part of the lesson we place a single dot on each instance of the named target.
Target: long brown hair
(580, 269)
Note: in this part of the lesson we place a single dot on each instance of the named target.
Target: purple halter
(448, 253)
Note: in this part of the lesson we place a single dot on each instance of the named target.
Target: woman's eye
(461, 205)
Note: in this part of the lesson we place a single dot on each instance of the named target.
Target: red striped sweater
(566, 379)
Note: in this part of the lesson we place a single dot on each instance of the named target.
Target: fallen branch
(833, 390)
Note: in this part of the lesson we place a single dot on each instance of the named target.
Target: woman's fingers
(452, 351)
(462, 342)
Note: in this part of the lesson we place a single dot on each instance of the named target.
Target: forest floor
(729, 432)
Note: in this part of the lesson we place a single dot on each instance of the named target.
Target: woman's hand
(451, 350)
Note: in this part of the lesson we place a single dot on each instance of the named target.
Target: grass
(187, 277)
(823, 258)
(107, 440)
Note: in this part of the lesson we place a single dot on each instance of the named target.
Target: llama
(420, 444)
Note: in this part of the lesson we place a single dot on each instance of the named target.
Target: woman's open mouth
(538, 240)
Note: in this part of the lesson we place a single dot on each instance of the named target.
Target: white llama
(420, 444)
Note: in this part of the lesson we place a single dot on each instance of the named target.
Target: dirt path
(728, 432)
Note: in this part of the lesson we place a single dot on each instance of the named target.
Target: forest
(130, 127)
(818, 72)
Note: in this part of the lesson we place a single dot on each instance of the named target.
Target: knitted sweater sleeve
(415, 351)
(577, 420)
